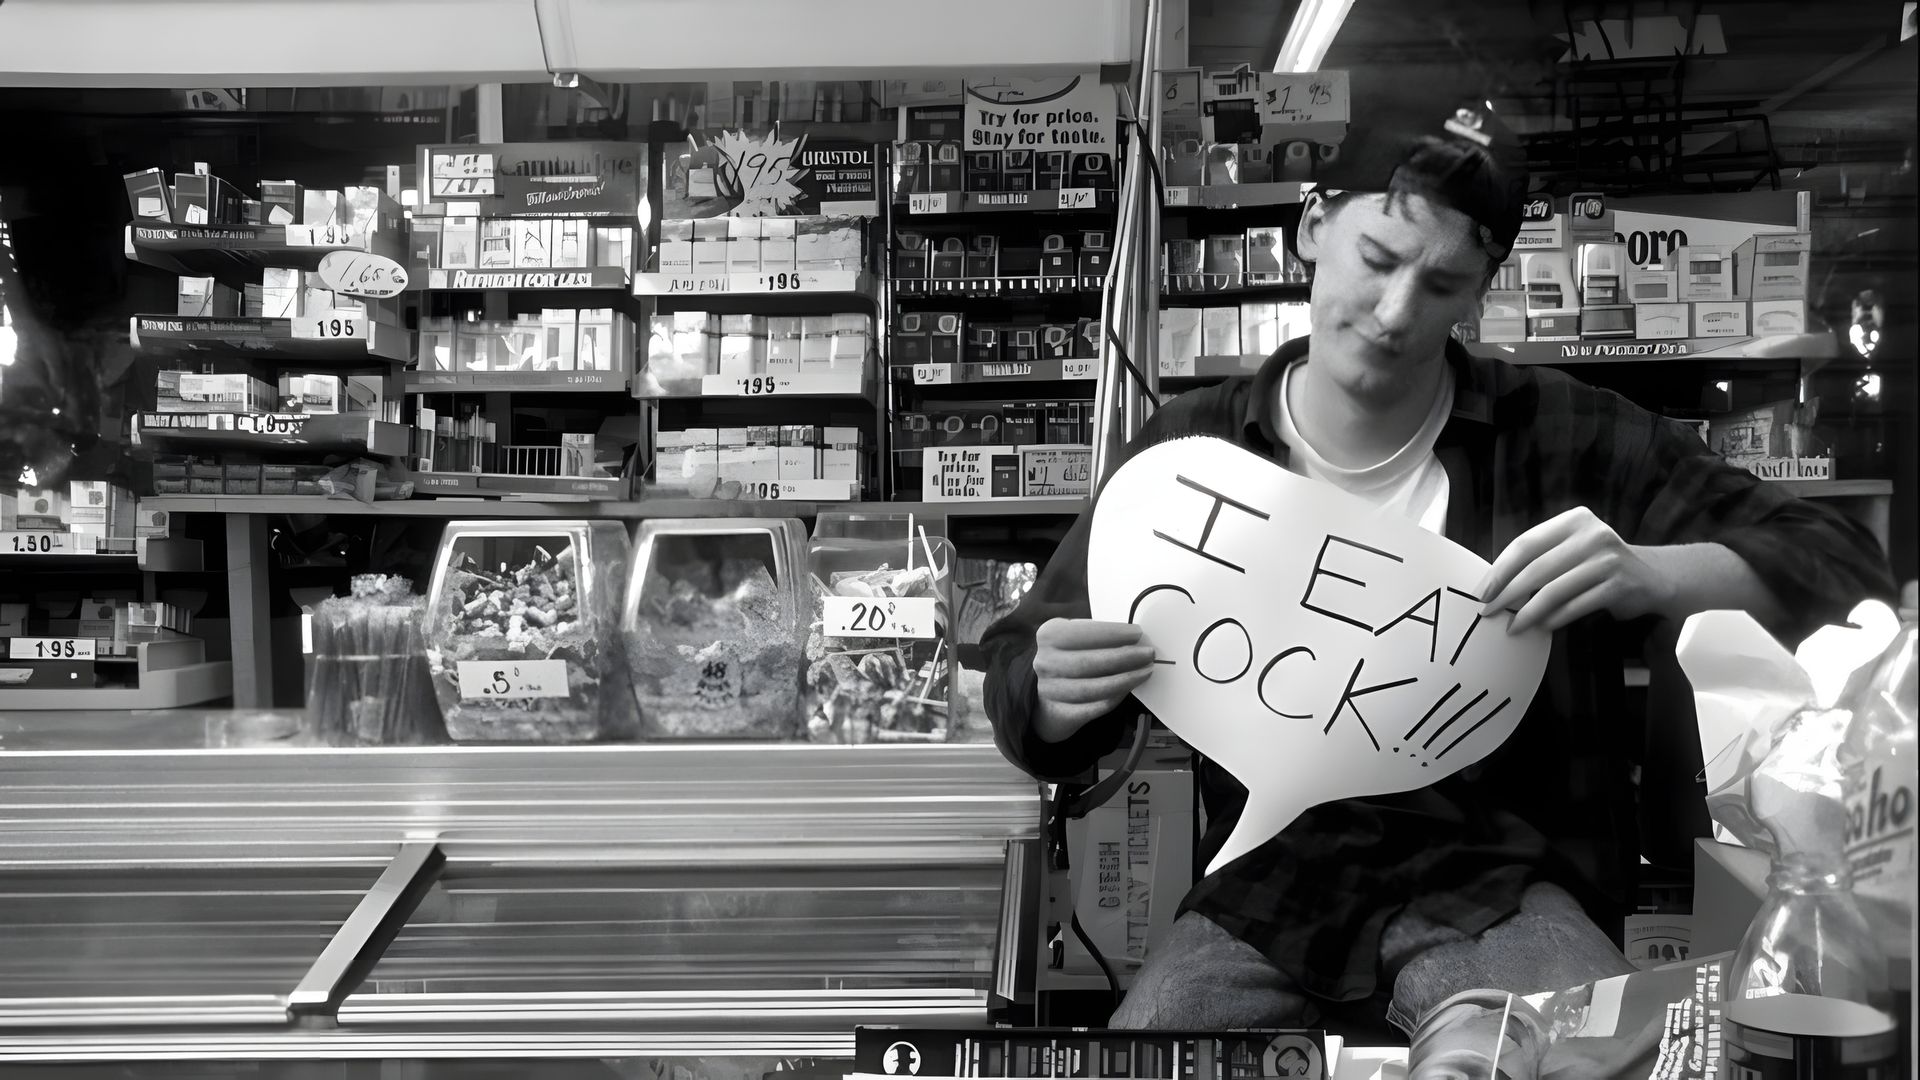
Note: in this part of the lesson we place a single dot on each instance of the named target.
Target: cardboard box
(572, 245)
(1652, 287)
(1220, 331)
(1654, 322)
(743, 344)
(1720, 319)
(1610, 321)
(816, 342)
(312, 394)
(1602, 267)
(1778, 318)
(532, 243)
(743, 246)
(944, 332)
(203, 297)
(320, 207)
(149, 195)
(460, 243)
(40, 510)
(1773, 266)
(1705, 272)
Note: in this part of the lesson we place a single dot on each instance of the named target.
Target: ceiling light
(1311, 35)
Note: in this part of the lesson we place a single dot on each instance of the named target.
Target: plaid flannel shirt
(1555, 802)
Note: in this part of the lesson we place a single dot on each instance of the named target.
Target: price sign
(321, 236)
(782, 282)
(1177, 367)
(1076, 198)
(927, 202)
(512, 680)
(462, 165)
(46, 648)
(36, 543)
(1078, 369)
(1179, 196)
(330, 326)
(932, 374)
(362, 273)
(271, 424)
(1303, 97)
(878, 617)
(767, 490)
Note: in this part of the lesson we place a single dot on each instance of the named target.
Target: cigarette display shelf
(963, 373)
(358, 342)
(642, 509)
(321, 433)
(857, 283)
(1258, 292)
(506, 485)
(1236, 196)
(458, 279)
(240, 252)
(496, 382)
(994, 287)
(20, 552)
(922, 204)
(168, 671)
(1202, 368)
(1784, 347)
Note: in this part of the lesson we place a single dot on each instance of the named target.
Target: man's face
(1388, 286)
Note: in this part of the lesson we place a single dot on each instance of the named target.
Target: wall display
(1070, 112)
(749, 174)
(562, 179)
(1364, 670)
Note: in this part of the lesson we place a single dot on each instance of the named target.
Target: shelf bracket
(361, 940)
(1013, 954)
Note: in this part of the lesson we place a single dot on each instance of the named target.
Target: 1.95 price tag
(321, 236)
(878, 617)
(42, 648)
(330, 326)
(501, 680)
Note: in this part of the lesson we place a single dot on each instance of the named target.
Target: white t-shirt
(1412, 482)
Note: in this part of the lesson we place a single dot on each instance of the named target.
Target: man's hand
(1085, 669)
(1572, 566)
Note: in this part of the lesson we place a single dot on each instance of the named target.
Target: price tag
(510, 680)
(744, 385)
(877, 617)
(1177, 367)
(1303, 97)
(362, 273)
(321, 236)
(927, 202)
(781, 282)
(330, 326)
(1179, 196)
(459, 186)
(933, 374)
(1536, 208)
(47, 648)
(1076, 198)
(1078, 369)
(36, 543)
(270, 424)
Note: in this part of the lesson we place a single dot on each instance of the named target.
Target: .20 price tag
(927, 202)
(512, 680)
(36, 543)
(878, 617)
(932, 374)
(1078, 198)
(37, 648)
(330, 326)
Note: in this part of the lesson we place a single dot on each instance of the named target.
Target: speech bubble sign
(1314, 646)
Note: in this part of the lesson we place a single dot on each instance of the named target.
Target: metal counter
(200, 901)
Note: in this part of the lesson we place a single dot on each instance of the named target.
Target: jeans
(1203, 978)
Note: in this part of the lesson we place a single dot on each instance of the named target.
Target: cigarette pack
(284, 201)
(1094, 254)
(1652, 286)
(1020, 344)
(193, 198)
(1705, 272)
(1179, 340)
(1774, 318)
(1723, 318)
(1652, 322)
(614, 247)
(185, 392)
(945, 329)
(40, 510)
(676, 247)
(320, 207)
(982, 258)
(852, 342)
(560, 334)
(148, 194)
(1503, 316)
(203, 297)
(1057, 258)
(743, 343)
(783, 344)
(312, 394)
(1220, 331)
(949, 261)
(460, 243)
(1265, 248)
(532, 243)
(496, 244)
(1773, 266)
(983, 344)
(743, 246)
(436, 344)
(1016, 170)
(280, 293)
(816, 342)
(572, 244)
(1226, 261)
(710, 256)
(1259, 328)
(600, 340)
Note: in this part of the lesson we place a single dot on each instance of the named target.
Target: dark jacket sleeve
(1818, 562)
(1061, 593)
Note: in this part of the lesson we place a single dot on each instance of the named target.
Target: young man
(1593, 514)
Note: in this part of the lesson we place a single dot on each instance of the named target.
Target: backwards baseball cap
(1468, 160)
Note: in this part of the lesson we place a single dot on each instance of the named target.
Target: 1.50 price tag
(927, 202)
(42, 648)
(36, 543)
(501, 680)
(330, 326)
(878, 617)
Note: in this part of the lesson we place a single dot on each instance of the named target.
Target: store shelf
(627, 510)
(975, 374)
(1627, 351)
(156, 554)
(849, 384)
(998, 288)
(500, 485)
(773, 283)
(1836, 489)
(371, 343)
(348, 434)
(165, 688)
(589, 277)
(484, 382)
(1277, 291)
(1069, 200)
(1232, 196)
(240, 251)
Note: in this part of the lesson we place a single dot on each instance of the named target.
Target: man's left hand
(1570, 567)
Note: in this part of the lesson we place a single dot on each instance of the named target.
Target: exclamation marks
(1437, 733)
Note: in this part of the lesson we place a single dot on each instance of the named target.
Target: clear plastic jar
(522, 626)
(866, 682)
(712, 628)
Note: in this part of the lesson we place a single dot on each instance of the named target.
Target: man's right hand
(1085, 668)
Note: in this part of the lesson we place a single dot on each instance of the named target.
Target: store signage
(1312, 97)
(878, 617)
(560, 179)
(38, 543)
(962, 473)
(269, 424)
(504, 680)
(1342, 660)
(837, 176)
(40, 648)
(517, 279)
(1788, 468)
(1056, 472)
(1652, 227)
(362, 273)
(1074, 113)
